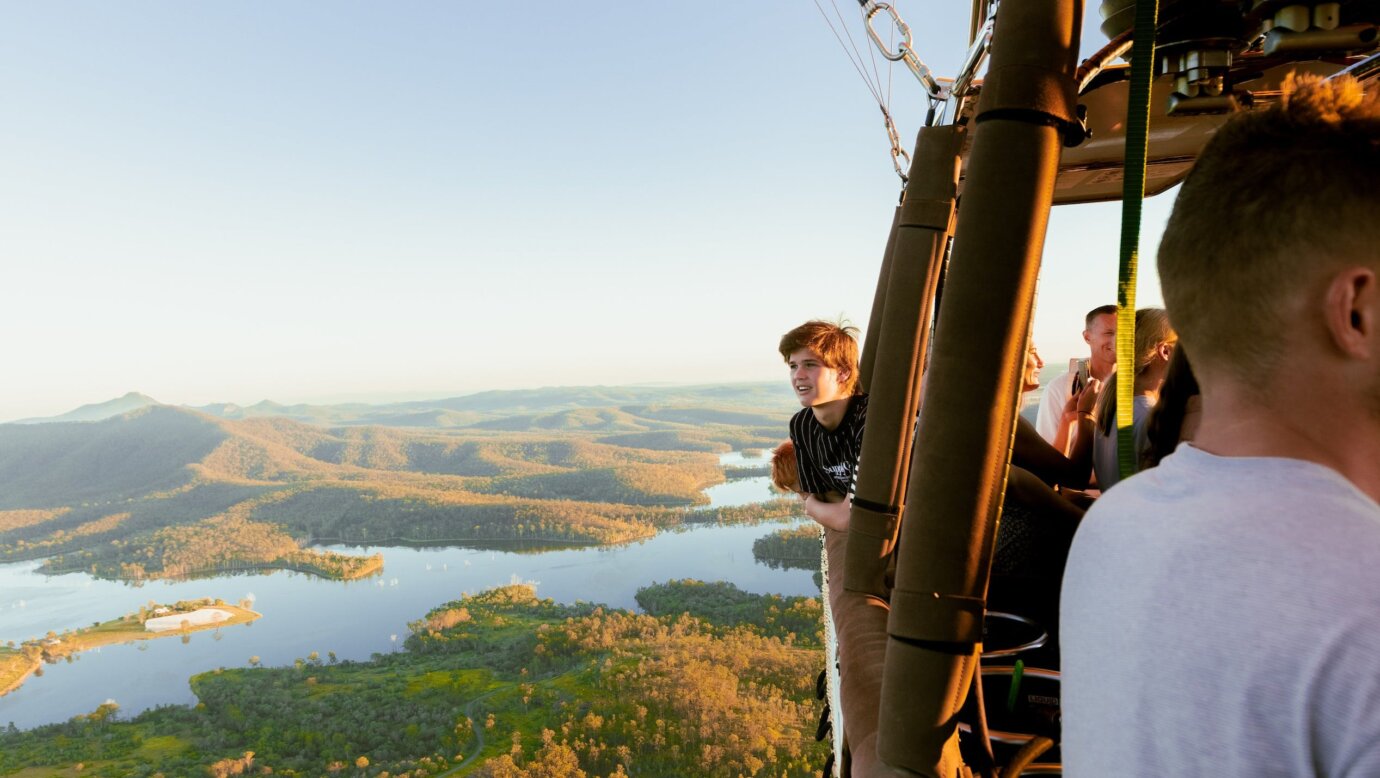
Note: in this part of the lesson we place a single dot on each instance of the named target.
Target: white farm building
(197, 618)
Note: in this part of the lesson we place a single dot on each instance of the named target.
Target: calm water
(742, 491)
(354, 619)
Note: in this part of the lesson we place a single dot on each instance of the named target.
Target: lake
(354, 619)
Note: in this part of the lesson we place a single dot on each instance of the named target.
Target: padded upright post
(902, 339)
(959, 467)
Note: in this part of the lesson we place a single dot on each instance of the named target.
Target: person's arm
(1023, 488)
(1049, 419)
(830, 510)
(1067, 417)
(1031, 452)
(1078, 409)
(821, 504)
(807, 479)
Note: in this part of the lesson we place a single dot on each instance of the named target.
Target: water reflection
(353, 618)
(740, 459)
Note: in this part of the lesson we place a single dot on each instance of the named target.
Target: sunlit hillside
(109, 496)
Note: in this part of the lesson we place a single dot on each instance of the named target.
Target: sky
(327, 201)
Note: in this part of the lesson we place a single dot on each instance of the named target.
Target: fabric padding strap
(874, 524)
(875, 507)
(927, 214)
(931, 616)
(1019, 88)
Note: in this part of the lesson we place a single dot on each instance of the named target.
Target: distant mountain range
(99, 411)
(551, 408)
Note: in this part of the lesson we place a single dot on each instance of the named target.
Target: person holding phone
(1099, 332)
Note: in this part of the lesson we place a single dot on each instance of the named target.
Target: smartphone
(1079, 368)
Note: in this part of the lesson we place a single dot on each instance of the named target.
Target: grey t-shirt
(1221, 617)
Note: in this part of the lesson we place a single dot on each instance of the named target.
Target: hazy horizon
(385, 398)
(1053, 367)
(296, 203)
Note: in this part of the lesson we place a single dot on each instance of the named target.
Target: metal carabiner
(871, 10)
(898, 152)
(976, 54)
(905, 51)
(922, 72)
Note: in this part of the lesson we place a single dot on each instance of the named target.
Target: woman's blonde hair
(1152, 331)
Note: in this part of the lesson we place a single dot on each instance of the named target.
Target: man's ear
(845, 374)
(1351, 312)
(1087, 337)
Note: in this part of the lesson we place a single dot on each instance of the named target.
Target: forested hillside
(545, 466)
(55, 465)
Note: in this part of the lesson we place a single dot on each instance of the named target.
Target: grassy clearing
(160, 747)
(52, 772)
(15, 666)
(460, 683)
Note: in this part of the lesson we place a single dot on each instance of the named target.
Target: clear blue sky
(329, 200)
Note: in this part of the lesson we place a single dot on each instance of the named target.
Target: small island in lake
(17, 663)
(791, 548)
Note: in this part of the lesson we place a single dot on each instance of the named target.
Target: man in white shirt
(1099, 332)
(1221, 612)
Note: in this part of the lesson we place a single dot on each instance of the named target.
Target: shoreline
(370, 566)
(20, 663)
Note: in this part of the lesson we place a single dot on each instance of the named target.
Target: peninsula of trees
(710, 682)
(793, 547)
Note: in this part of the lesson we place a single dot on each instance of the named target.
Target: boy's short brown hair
(784, 475)
(1278, 200)
(836, 343)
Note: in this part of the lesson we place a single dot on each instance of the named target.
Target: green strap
(1013, 693)
(1132, 193)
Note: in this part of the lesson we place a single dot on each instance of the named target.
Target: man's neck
(830, 414)
(1336, 435)
(1099, 369)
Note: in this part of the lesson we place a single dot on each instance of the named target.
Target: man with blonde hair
(1221, 611)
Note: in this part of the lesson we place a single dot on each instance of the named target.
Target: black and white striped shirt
(828, 459)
